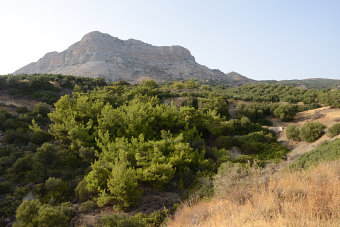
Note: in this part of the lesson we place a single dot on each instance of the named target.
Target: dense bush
(27, 212)
(52, 216)
(56, 190)
(33, 213)
(121, 221)
(334, 130)
(260, 146)
(81, 191)
(311, 131)
(293, 132)
(87, 206)
(41, 108)
(137, 220)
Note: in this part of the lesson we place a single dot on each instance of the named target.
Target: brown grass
(303, 198)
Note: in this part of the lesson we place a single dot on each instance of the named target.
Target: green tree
(285, 112)
(123, 185)
(311, 131)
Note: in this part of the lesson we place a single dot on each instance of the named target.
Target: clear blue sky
(261, 39)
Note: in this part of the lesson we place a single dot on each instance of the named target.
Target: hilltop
(102, 55)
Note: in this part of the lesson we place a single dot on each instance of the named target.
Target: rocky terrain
(98, 54)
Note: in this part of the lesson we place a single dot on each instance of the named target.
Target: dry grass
(303, 198)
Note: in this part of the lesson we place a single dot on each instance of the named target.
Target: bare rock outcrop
(99, 54)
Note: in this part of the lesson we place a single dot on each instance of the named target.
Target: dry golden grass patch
(302, 198)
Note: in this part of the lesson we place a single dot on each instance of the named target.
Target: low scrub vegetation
(137, 220)
(300, 198)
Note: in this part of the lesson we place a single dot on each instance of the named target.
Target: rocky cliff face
(98, 54)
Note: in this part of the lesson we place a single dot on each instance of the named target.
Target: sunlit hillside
(299, 198)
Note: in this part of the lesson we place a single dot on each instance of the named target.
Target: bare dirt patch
(6, 100)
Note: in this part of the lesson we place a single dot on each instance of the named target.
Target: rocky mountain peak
(100, 54)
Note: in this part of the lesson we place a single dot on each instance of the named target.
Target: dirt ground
(7, 101)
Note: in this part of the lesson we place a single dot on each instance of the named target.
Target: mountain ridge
(100, 54)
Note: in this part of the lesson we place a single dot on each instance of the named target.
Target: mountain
(99, 54)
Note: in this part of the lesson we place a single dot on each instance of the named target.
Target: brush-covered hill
(102, 55)
(312, 83)
(89, 152)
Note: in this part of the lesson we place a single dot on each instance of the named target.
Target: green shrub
(40, 137)
(27, 212)
(224, 142)
(334, 130)
(120, 221)
(5, 187)
(52, 216)
(8, 205)
(55, 188)
(293, 132)
(87, 206)
(22, 110)
(33, 213)
(9, 124)
(154, 219)
(81, 191)
(41, 108)
(311, 131)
